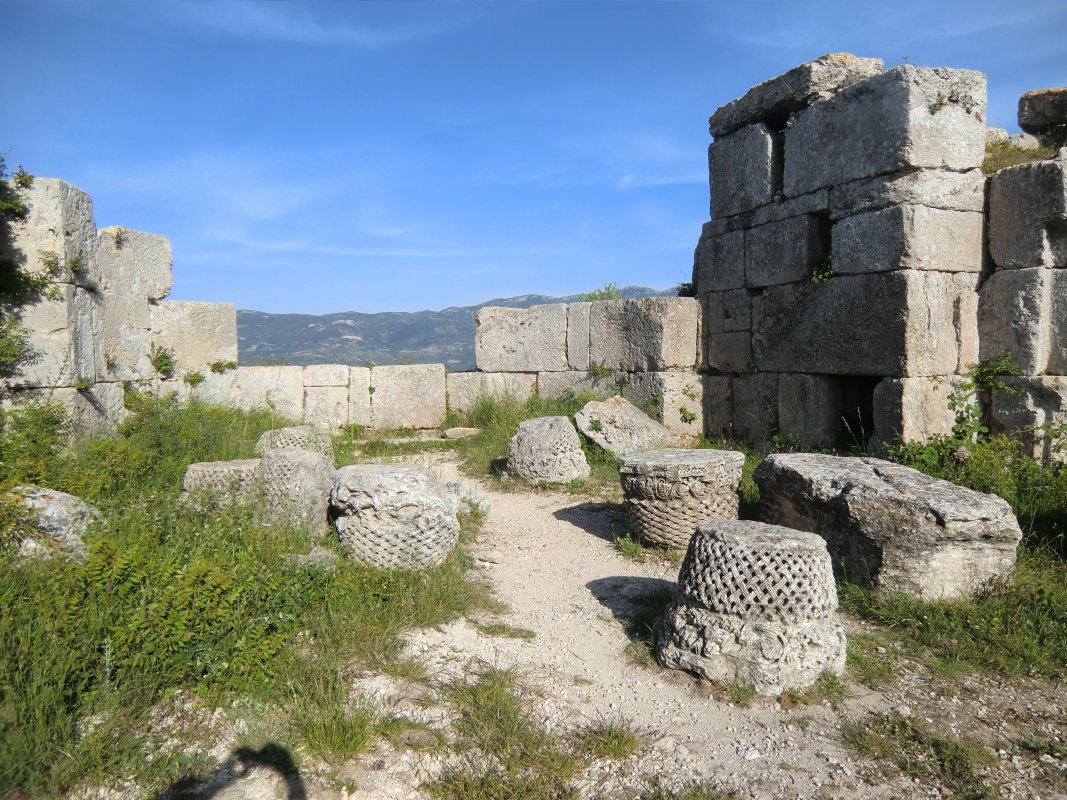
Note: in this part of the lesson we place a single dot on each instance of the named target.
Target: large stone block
(618, 426)
(521, 339)
(718, 404)
(1015, 316)
(359, 398)
(555, 384)
(280, 389)
(1028, 215)
(217, 388)
(676, 397)
(784, 252)
(892, 526)
(729, 352)
(1035, 414)
(546, 450)
(51, 323)
(776, 98)
(1043, 112)
(59, 220)
(810, 409)
(897, 324)
(326, 375)
(578, 335)
(912, 409)
(719, 261)
(123, 332)
(133, 263)
(198, 333)
(745, 172)
(464, 388)
(755, 407)
(408, 396)
(908, 237)
(648, 334)
(935, 188)
(98, 409)
(326, 406)
(908, 117)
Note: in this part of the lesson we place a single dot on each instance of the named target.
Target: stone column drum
(755, 605)
(669, 492)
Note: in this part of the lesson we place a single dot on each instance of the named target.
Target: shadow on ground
(241, 762)
(607, 521)
(636, 602)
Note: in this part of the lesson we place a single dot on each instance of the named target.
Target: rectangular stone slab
(648, 334)
(464, 388)
(1038, 400)
(521, 339)
(408, 396)
(1028, 215)
(745, 170)
(198, 333)
(908, 237)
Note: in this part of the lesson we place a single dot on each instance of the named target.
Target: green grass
(641, 627)
(999, 156)
(916, 750)
(695, 792)
(614, 740)
(871, 668)
(1018, 628)
(828, 687)
(505, 630)
(168, 598)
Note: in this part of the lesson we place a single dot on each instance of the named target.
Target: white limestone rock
(1028, 215)
(326, 375)
(199, 334)
(578, 335)
(394, 516)
(546, 450)
(677, 397)
(912, 409)
(280, 389)
(1024, 312)
(648, 334)
(359, 398)
(908, 237)
(556, 384)
(744, 170)
(934, 188)
(1038, 401)
(134, 264)
(892, 527)
(294, 486)
(618, 426)
(407, 396)
(465, 388)
(326, 406)
(58, 521)
(216, 484)
(521, 339)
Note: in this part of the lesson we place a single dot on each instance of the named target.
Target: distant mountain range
(388, 337)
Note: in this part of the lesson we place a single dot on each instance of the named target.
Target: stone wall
(646, 349)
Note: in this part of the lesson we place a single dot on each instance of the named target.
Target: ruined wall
(646, 349)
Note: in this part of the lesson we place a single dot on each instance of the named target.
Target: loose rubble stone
(755, 605)
(619, 427)
(59, 520)
(906, 117)
(393, 516)
(890, 526)
(647, 334)
(521, 339)
(547, 449)
(302, 437)
(408, 396)
(1028, 214)
(295, 487)
(744, 170)
(668, 492)
(209, 484)
(1044, 112)
(793, 90)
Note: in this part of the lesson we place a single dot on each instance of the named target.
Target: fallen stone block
(217, 484)
(407, 396)
(669, 492)
(810, 409)
(460, 433)
(618, 426)
(546, 450)
(578, 335)
(745, 173)
(393, 516)
(785, 252)
(521, 339)
(648, 334)
(907, 117)
(775, 99)
(134, 264)
(294, 487)
(1028, 214)
(898, 324)
(198, 334)
(55, 522)
(892, 527)
(676, 398)
(908, 237)
(934, 188)
(1035, 414)
(465, 388)
(280, 389)
(755, 605)
(719, 262)
(302, 437)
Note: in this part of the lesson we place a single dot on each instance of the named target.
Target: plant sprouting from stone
(162, 360)
(609, 292)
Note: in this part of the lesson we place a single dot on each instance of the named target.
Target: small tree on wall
(18, 286)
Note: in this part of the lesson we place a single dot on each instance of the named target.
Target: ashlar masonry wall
(838, 276)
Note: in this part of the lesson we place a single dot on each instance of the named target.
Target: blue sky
(319, 157)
